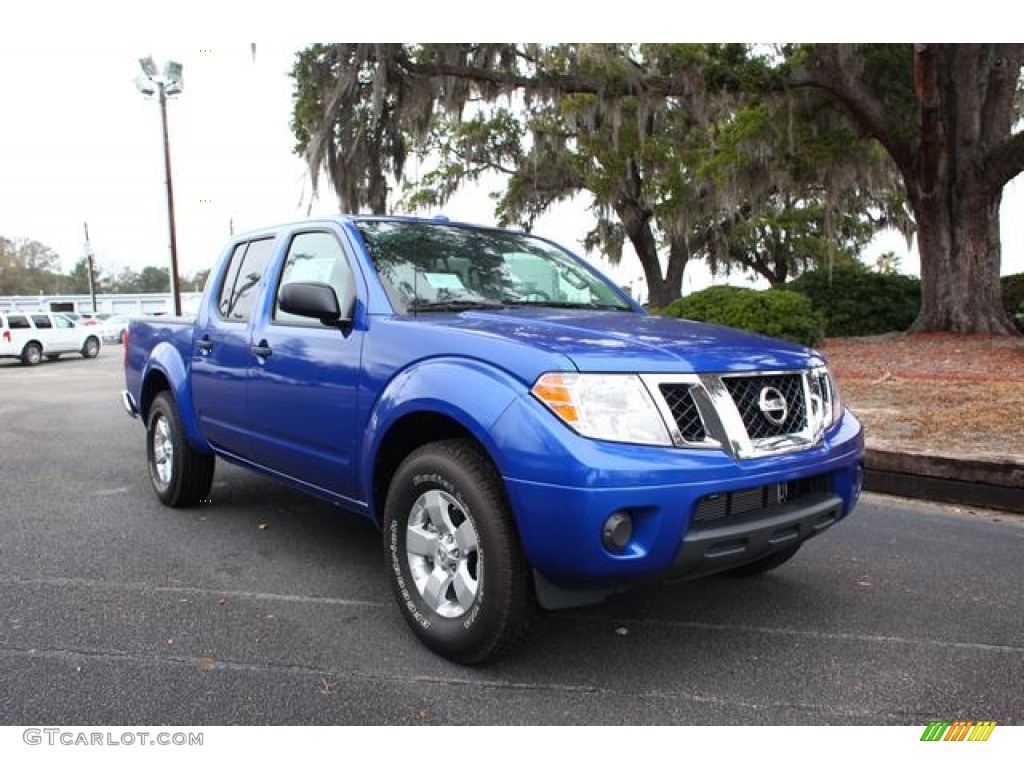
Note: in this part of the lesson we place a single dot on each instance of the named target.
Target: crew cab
(521, 431)
(32, 336)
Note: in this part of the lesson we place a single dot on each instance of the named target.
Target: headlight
(605, 406)
(826, 405)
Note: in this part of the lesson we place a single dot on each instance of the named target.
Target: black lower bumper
(775, 529)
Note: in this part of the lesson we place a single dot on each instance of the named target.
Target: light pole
(167, 83)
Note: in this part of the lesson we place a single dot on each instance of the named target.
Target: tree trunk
(661, 290)
(955, 146)
(958, 240)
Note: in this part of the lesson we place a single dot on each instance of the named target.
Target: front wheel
(91, 347)
(453, 556)
(181, 475)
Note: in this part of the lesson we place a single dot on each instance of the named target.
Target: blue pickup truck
(521, 431)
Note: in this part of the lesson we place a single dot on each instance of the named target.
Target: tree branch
(1005, 161)
(563, 82)
(829, 69)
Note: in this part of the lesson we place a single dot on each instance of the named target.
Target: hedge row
(856, 302)
(853, 302)
(783, 314)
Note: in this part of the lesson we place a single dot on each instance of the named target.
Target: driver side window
(313, 257)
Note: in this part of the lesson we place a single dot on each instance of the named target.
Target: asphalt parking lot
(265, 607)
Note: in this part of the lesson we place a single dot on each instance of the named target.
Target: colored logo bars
(958, 730)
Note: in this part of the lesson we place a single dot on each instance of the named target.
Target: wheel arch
(165, 371)
(417, 407)
(410, 432)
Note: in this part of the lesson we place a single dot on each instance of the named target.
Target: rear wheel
(91, 347)
(181, 475)
(32, 354)
(453, 556)
(764, 564)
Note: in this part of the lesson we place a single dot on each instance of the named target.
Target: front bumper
(563, 506)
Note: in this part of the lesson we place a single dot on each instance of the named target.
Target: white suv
(31, 336)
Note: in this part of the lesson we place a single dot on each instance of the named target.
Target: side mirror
(318, 300)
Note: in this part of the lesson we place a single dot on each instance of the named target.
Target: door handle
(262, 350)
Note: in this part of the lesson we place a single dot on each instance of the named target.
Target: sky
(79, 144)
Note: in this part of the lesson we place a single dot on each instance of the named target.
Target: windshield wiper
(454, 305)
(568, 305)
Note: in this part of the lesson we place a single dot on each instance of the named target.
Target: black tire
(763, 565)
(32, 354)
(91, 347)
(491, 613)
(181, 476)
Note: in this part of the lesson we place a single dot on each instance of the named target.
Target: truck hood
(601, 341)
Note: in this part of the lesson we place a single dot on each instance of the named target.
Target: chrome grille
(747, 415)
(746, 393)
(684, 410)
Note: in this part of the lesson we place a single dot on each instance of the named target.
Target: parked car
(114, 328)
(93, 318)
(520, 430)
(32, 336)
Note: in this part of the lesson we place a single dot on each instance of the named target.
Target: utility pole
(91, 264)
(169, 83)
(175, 288)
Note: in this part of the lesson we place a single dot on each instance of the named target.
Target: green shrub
(1013, 297)
(861, 303)
(782, 314)
(1013, 291)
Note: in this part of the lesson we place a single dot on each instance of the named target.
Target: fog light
(617, 531)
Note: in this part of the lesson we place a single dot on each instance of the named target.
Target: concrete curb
(983, 480)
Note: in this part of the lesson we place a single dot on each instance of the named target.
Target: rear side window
(313, 257)
(17, 321)
(238, 292)
(42, 321)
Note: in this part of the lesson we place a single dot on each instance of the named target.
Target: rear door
(66, 336)
(221, 354)
(304, 387)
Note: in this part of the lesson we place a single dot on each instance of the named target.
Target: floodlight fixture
(172, 77)
(146, 86)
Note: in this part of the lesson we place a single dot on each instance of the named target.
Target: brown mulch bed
(936, 392)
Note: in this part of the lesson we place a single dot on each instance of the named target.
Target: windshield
(439, 267)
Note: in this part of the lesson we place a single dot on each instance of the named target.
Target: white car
(31, 336)
(114, 328)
